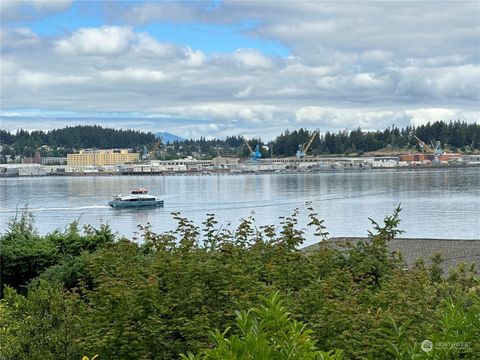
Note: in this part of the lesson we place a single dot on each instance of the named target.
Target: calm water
(442, 203)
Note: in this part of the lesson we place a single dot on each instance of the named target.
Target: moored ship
(137, 198)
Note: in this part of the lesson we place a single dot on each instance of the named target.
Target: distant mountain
(168, 138)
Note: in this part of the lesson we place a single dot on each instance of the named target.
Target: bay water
(436, 203)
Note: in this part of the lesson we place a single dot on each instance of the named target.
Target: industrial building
(427, 159)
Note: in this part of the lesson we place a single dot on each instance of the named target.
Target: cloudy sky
(256, 68)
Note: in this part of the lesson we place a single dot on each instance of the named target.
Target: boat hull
(135, 204)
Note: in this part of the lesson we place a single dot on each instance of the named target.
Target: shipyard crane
(302, 149)
(145, 154)
(157, 148)
(471, 146)
(254, 155)
(437, 152)
(423, 145)
(436, 149)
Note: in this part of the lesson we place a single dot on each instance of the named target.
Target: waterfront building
(102, 157)
(187, 164)
(54, 160)
(385, 161)
(415, 159)
(36, 159)
(22, 170)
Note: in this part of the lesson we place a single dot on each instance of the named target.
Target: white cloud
(18, 38)
(377, 30)
(442, 83)
(165, 11)
(147, 46)
(350, 65)
(194, 58)
(243, 93)
(221, 120)
(134, 74)
(27, 10)
(423, 116)
(51, 6)
(37, 80)
(376, 56)
(367, 81)
(252, 59)
(225, 112)
(375, 118)
(107, 40)
(352, 118)
(449, 60)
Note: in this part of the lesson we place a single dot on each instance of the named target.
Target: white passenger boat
(137, 198)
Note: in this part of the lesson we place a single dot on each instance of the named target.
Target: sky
(252, 68)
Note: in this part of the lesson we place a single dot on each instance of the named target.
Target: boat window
(139, 191)
(142, 199)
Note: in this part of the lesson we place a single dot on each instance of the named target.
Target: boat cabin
(139, 192)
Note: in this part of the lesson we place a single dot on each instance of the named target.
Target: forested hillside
(63, 141)
(454, 136)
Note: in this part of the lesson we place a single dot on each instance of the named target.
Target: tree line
(209, 292)
(60, 142)
(454, 136)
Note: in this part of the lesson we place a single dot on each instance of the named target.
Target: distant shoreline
(252, 172)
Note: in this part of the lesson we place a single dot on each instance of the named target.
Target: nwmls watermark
(428, 346)
(452, 345)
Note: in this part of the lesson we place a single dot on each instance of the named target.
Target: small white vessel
(137, 198)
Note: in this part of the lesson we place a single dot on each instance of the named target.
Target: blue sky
(213, 38)
(206, 37)
(78, 15)
(226, 68)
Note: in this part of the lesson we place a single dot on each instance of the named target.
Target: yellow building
(101, 157)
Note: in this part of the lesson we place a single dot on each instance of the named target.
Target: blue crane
(254, 155)
(302, 149)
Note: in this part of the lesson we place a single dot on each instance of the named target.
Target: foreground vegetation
(213, 293)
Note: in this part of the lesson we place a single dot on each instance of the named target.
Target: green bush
(161, 297)
(25, 255)
(265, 333)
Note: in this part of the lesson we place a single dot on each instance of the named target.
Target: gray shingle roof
(452, 251)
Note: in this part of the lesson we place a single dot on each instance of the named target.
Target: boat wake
(33, 210)
(293, 203)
